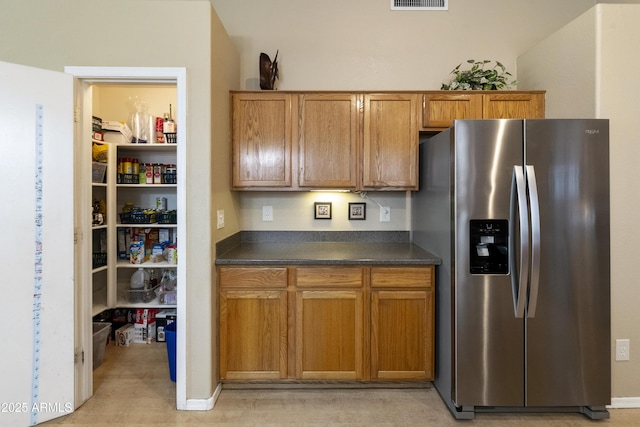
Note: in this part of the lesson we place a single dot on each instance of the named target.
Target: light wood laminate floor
(132, 387)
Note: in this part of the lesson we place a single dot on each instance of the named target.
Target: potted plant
(480, 77)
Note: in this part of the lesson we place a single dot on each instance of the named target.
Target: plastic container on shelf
(166, 217)
(168, 297)
(100, 334)
(136, 296)
(99, 259)
(98, 171)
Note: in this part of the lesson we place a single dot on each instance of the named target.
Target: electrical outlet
(385, 214)
(220, 218)
(267, 213)
(622, 349)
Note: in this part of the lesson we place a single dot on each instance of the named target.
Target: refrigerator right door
(568, 326)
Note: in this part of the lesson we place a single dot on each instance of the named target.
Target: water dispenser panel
(489, 246)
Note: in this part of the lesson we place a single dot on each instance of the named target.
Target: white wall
(588, 68)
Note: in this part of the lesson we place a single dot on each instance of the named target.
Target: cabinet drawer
(253, 277)
(329, 277)
(401, 277)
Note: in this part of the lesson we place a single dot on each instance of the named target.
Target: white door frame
(83, 309)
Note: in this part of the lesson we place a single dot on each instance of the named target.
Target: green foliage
(479, 77)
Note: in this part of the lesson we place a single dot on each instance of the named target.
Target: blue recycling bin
(170, 335)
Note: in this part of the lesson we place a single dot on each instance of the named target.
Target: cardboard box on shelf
(163, 318)
(144, 334)
(145, 325)
(145, 316)
(136, 252)
(125, 335)
(96, 128)
(115, 131)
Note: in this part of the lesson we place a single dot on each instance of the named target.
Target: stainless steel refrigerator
(519, 212)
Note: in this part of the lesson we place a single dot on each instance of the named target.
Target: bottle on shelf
(149, 173)
(98, 216)
(169, 126)
(127, 166)
(139, 280)
(142, 174)
(153, 278)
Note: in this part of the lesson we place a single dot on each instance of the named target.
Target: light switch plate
(385, 214)
(267, 213)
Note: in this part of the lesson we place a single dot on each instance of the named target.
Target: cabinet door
(439, 110)
(329, 323)
(253, 334)
(401, 335)
(402, 322)
(262, 140)
(253, 322)
(390, 146)
(328, 130)
(513, 106)
(329, 334)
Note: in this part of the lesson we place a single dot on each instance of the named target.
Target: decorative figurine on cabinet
(268, 71)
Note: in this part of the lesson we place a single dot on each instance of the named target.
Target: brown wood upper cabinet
(390, 158)
(262, 139)
(330, 140)
(441, 108)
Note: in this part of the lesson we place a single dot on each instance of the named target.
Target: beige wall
(583, 66)
(295, 211)
(137, 33)
(615, 100)
(362, 45)
(225, 76)
(329, 44)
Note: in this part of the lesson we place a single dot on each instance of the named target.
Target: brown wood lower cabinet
(253, 323)
(345, 323)
(329, 323)
(402, 327)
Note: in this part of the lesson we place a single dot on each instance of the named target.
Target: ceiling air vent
(419, 4)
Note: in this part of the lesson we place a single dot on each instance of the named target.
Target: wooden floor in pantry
(132, 388)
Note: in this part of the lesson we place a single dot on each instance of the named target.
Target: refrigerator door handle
(534, 204)
(519, 202)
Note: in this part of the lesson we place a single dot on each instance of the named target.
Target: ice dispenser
(489, 245)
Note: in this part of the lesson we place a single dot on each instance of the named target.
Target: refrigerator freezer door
(488, 343)
(568, 340)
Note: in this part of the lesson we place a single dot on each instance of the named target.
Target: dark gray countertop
(322, 248)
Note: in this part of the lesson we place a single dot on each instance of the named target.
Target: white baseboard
(208, 404)
(625, 402)
(204, 404)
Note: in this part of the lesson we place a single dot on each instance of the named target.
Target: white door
(37, 249)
